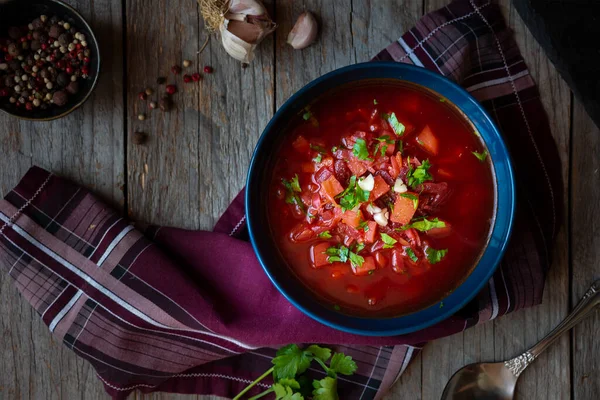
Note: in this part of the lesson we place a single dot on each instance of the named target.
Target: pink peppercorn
(187, 78)
(171, 89)
(196, 77)
(208, 70)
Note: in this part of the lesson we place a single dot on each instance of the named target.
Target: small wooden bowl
(22, 12)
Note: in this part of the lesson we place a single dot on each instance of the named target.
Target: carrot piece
(352, 218)
(331, 187)
(396, 167)
(404, 209)
(358, 168)
(318, 255)
(428, 141)
(371, 232)
(367, 266)
(391, 147)
(301, 144)
(381, 187)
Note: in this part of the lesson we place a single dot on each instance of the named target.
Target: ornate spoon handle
(585, 307)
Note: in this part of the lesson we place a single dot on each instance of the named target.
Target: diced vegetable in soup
(382, 199)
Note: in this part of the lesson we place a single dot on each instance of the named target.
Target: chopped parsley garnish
(435, 256)
(364, 225)
(334, 149)
(318, 158)
(375, 101)
(481, 156)
(353, 195)
(359, 247)
(417, 176)
(401, 147)
(411, 254)
(413, 197)
(343, 254)
(360, 150)
(307, 115)
(442, 100)
(381, 147)
(324, 235)
(441, 304)
(292, 188)
(396, 125)
(336, 307)
(318, 148)
(388, 241)
(424, 225)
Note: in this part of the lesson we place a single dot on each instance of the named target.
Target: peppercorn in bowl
(49, 59)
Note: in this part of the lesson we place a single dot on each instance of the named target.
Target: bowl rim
(94, 82)
(500, 234)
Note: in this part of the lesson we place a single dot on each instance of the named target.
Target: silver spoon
(497, 381)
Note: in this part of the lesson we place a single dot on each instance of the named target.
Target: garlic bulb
(304, 32)
(367, 183)
(242, 24)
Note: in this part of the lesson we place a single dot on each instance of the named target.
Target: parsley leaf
(396, 125)
(324, 235)
(291, 382)
(343, 364)
(435, 256)
(356, 260)
(343, 254)
(334, 149)
(360, 150)
(291, 361)
(318, 158)
(325, 389)
(283, 392)
(382, 145)
(388, 240)
(292, 187)
(364, 225)
(413, 197)
(418, 175)
(322, 353)
(424, 225)
(401, 146)
(353, 195)
(339, 254)
(411, 254)
(375, 101)
(481, 156)
(307, 115)
(359, 247)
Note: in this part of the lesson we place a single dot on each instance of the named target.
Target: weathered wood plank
(549, 376)
(196, 159)
(86, 146)
(585, 253)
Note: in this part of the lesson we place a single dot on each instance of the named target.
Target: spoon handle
(583, 309)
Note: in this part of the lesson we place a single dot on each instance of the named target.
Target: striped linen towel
(192, 311)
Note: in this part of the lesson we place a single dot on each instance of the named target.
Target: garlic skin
(242, 25)
(304, 32)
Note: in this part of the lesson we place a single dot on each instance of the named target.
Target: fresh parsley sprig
(424, 225)
(353, 195)
(360, 150)
(292, 189)
(344, 254)
(396, 125)
(288, 370)
(417, 176)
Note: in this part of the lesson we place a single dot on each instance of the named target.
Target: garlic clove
(373, 209)
(246, 7)
(367, 183)
(399, 186)
(249, 33)
(304, 32)
(236, 47)
(382, 217)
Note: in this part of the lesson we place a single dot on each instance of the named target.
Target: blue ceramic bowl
(259, 178)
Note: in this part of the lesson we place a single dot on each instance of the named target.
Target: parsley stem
(250, 386)
(266, 392)
(322, 364)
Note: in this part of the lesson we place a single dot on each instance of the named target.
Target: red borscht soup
(382, 198)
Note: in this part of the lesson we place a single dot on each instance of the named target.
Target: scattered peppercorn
(187, 63)
(176, 69)
(161, 80)
(149, 91)
(171, 89)
(165, 103)
(141, 117)
(196, 77)
(142, 95)
(187, 78)
(208, 70)
(139, 138)
(152, 105)
(42, 64)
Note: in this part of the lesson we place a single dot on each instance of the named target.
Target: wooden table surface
(197, 157)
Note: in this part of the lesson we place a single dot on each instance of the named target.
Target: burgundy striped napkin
(193, 312)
